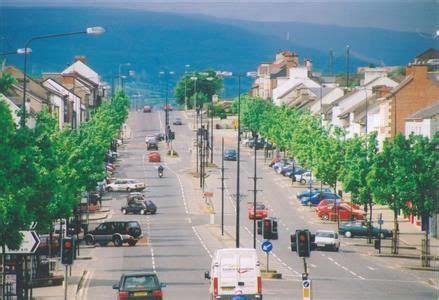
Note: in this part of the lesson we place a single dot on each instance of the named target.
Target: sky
(402, 15)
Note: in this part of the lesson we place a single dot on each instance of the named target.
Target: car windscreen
(325, 234)
(147, 282)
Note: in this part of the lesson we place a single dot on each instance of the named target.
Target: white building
(423, 122)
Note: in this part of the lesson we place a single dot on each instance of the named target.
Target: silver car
(327, 239)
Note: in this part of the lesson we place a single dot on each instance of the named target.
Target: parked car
(307, 194)
(178, 121)
(118, 232)
(297, 171)
(152, 144)
(139, 207)
(326, 202)
(316, 198)
(135, 197)
(261, 211)
(353, 229)
(230, 154)
(159, 136)
(168, 107)
(304, 178)
(147, 109)
(327, 239)
(126, 185)
(144, 285)
(154, 157)
(341, 211)
(235, 271)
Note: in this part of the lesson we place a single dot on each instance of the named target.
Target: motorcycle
(160, 169)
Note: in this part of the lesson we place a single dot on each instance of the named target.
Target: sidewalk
(77, 273)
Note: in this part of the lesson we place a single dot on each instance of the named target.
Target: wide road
(180, 241)
(171, 247)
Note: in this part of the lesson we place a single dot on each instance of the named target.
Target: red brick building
(418, 90)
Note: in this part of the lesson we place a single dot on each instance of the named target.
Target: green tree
(6, 82)
(208, 83)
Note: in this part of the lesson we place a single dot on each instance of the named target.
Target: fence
(9, 290)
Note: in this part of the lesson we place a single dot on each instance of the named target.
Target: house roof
(430, 53)
(402, 84)
(425, 113)
(83, 70)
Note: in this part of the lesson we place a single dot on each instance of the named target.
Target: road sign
(380, 221)
(267, 246)
(306, 289)
(29, 245)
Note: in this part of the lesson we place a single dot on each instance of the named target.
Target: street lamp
(166, 74)
(185, 86)
(119, 73)
(25, 50)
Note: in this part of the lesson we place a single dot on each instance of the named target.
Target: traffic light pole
(222, 186)
(65, 281)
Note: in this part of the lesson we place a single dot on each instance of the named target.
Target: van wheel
(117, 241)
(348, 234)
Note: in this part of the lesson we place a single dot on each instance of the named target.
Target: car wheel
(89, 240)
(382, 235)
(110, 189)
(124, 211)
(117, 241)
(132, 243)
(336, 248)
(348, 234)
(128, 189)
(302, 181)
(325, 217)
(142, 212)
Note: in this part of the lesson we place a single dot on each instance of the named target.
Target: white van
(235, 274)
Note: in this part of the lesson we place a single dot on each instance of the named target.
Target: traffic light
(293, 242)
(67, 251)
(270, 229)
(303, 241)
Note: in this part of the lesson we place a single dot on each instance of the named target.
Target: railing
(9, 290)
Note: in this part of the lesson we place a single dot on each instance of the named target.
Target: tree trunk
(395, 232)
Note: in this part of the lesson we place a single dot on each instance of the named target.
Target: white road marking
(370, 268)
(345, 268)
(202, 242)
(183, 195)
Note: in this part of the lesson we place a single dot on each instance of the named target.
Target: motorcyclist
(160, 169)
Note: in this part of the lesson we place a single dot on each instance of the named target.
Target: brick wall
(417, 94)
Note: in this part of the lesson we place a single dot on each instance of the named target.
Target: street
(180, 239)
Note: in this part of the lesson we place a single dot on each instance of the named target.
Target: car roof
(328, 231)
(139, 273)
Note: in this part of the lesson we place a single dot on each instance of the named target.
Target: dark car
(139, 207)
(139, 286)
(316, 198)
(118, 232)
(152, 144)
(351, 229)
(230, 155)
(178, 121)
(306, 193)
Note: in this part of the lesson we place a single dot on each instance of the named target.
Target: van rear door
(237, 274)
(247, 277)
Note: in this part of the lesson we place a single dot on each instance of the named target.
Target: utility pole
(211, 134)
(255, 135)
(222, 186)
(238, 161)
(347, 66)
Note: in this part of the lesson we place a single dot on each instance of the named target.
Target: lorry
(235, 274)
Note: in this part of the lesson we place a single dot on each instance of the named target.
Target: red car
(154, 157)
(343, 211)
(327, 202)
(261, 211)
(147, 109)
(168, 107)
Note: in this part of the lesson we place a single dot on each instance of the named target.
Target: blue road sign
(267, 246)
(380, 221)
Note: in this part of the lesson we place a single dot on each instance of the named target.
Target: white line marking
(202, 242)
(370, 268)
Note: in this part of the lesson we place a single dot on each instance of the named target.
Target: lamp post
(195, 78)
(347, 66)
(167, 74)
(90, 30)
(120, 71)
(185, 86)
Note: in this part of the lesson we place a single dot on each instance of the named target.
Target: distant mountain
(152, 42)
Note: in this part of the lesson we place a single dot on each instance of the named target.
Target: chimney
(381, 90)
(417, 71)
(308, 64)
(81, 58)
(295, 59)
